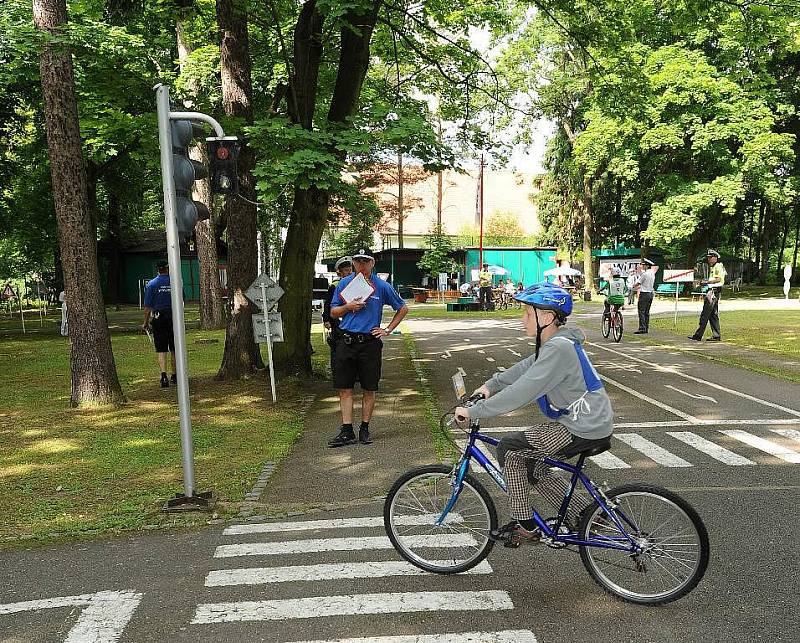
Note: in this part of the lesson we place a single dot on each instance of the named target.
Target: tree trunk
(306, 225)
(211, 302)
(759, 236)
(586, 201)
(784, 236)
(796, 272)
(242, 356)
(400, 200)
(765, 245)
(94, 374)
(310, 207)
(114, 245)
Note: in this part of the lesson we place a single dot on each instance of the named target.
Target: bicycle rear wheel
(674, 539)
(606, 324)
(617, 326)
(414, 503)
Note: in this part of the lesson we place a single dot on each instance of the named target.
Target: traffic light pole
(190, 499)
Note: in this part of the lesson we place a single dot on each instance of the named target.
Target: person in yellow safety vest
(485, 282)
(710, 313)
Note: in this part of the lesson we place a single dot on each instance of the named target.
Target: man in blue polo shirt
(158, 314)
(358, 354)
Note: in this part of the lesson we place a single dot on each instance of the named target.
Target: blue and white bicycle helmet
(546, 296)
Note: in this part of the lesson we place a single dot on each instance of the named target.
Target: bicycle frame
(624, 542)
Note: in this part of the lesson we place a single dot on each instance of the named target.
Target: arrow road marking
(696, 397)
(446, 355)
(102, 620)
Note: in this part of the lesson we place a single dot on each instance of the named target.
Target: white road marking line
(462, 371)
(513, 352)
(501, 368)
(504, 636)
(102, 620)
(481, 351)
(719, 387)
(792, 434)
(337, 544)
(358, 604)
(609, 461)
(692, 395)
(764, 445)
(644, 397)
(337, 523)
(335, 571)
(490, 359)
(462, 444)
(710, 448)
(446, 355)
(656, 453)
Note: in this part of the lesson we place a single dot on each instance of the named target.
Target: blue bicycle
(640, 543)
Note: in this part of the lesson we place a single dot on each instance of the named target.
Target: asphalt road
(332, 576)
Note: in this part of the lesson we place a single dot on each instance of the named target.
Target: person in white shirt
(644, 283)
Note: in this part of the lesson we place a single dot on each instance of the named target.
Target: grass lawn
(773, 331)
(71, 473)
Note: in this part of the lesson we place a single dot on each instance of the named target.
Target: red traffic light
(223, 153)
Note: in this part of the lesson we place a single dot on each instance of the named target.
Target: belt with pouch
(356, 338)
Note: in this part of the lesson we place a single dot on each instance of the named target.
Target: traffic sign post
(676, 277)
(264, 292)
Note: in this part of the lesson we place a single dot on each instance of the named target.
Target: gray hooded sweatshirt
(557, 373)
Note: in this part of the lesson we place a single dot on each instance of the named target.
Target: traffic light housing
(222, 155)
(185, 172)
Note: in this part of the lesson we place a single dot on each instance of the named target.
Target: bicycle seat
(582, 446)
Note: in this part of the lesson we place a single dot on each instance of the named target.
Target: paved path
(729, 443)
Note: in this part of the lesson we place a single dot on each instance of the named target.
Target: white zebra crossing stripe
(763, 445)
(335, 571)
(358, 604)
(710, 448)
(609, 461)
(651, 450)
(792, 434)
(505, 636)
(339, 544)
(341, 523)
(642, 396)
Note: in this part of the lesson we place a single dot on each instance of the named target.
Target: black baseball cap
(364, 254)
(163, 263)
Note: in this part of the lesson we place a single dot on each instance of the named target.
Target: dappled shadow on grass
(81, 470)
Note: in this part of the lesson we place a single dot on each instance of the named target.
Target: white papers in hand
(359, 287)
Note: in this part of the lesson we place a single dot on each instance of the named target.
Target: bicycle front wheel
(617, 326)
(413, 505)
(672, 536)
(606, 324)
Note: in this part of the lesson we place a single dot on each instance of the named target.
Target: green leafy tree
(438, 256)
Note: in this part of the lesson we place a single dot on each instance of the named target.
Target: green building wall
(525, 264)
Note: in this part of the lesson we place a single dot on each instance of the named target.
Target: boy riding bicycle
(616, 289)
(560, 378)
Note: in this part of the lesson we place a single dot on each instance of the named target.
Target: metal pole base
(200, 502)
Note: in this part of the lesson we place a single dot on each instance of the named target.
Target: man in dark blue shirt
(358, 355)
(158, 314)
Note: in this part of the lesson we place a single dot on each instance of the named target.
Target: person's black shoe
(714, 339)
(694, 339)
(640, 332)
(345, 437)
(363, 436)
(164, 381)
(174, 378)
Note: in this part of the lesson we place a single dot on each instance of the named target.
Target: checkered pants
(520, 455)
